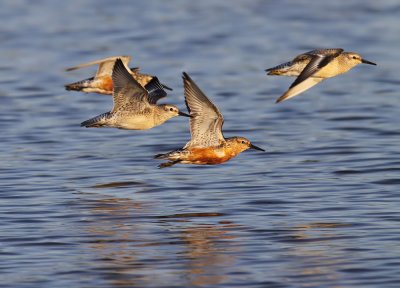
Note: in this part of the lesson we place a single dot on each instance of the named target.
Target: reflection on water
(122, 243)
(318, 263)
(208, 252)
(88, 207)
(111, 239)
(189, 215)
(118, 184)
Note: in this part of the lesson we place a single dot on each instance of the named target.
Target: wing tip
(280, 99)
(167, 87)
(119, 71)
(155, 90)
(118, 62)
(185, 75)
(187, 80)
(124, 57)
(285, 97)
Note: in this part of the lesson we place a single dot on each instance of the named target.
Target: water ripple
(318, 209)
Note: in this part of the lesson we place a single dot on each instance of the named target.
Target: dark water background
(88, 207)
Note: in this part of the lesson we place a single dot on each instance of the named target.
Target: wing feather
(206, 121)
(127, 91)
(155, 89)
(301, 87)
(125, 60)
(319, 59)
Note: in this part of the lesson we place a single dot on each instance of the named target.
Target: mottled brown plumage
(102, 82)
(133, 106)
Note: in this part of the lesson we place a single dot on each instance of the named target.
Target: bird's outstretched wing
(319, 59)
(106, 65)
(206, 120)
(127, 91)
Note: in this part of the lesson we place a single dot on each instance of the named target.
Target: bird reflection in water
(315, 253)
(209, 253)
(113, 237)
(130, 253)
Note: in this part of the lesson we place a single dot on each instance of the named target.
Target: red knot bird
(134, 107)
(314, 66)
(208, 145)
(102, 82)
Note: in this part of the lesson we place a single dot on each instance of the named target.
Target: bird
(134, 107)
(314, 66)
(102, 83)
(207, 146)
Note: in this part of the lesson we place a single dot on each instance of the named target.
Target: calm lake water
(89, 208)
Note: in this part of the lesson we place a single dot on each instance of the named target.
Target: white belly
(138, 122)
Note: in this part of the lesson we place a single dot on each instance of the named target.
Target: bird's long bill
(367, 62)
(180, 113)
(256, 148)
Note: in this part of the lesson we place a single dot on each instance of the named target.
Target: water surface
(89, 208)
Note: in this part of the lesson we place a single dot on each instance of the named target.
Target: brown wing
(127, 92)
(106, 65)
(206, 121)
(319, 59)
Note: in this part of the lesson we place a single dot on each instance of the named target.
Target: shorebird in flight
(208, 145)
(314, 66)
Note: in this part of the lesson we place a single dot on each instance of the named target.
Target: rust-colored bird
(102, 82)
(208, 145)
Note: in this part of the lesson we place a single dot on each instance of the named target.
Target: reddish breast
(208, 155)
(105, 83)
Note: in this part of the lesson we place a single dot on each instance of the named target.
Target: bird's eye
(243, 142)
(171, 109)
(354, 57)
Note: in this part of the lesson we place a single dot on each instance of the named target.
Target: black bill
(367, 62)
(256, 148)
(180, 113)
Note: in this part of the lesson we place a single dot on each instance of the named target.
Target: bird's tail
(98, 121)
(162, 156)
(280, 69)
(173, 155)
(78, 86)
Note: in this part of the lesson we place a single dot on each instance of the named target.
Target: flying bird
(208, 145)
(134, 107)
(314, 66)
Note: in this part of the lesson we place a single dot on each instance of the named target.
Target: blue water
(89, 208)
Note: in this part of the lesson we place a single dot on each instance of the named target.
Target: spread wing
(301, 87)
(319, 59)
(127, 91)
(327, 51)
(106, 65)
(313, 62)
(206, 120)
(155, 89)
